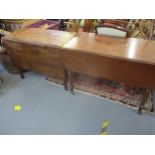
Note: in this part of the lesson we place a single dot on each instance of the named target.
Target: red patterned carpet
(128, 95)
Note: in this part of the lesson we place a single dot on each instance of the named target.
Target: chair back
(111, 31)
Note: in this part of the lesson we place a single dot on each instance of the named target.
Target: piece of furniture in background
(81, 25)
(45, 24)
(15, 24)
(146, 28)
(72, 25)
(62, 25)
(88, 25)
(117, 23)
(142, 28)
(152, 29)
(111, 31)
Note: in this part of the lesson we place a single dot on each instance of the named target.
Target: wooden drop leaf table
(127, 60)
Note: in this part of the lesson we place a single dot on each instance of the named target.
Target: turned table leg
(144, 98)
(65, 79)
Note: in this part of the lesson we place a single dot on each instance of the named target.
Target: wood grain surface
(128, 60)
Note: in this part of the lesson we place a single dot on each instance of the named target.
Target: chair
(121, 23)
(111, 31)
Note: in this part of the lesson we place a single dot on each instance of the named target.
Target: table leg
(71, 81)
(65, 79)
(21, 74)
(1, 79)
(153, 99)
(141, 105)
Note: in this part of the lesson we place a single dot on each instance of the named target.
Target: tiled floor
(49, 109)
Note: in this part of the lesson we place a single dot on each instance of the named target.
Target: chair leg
(65, 79)
(141, 105)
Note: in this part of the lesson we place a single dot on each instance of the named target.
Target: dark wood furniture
(37, 50)
(127, 60)
(121, 23)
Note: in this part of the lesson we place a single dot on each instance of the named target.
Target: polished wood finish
(111, 68)
(38, 50)
(40, 37)
(127, 60)
(130, 60)
(130, 49)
